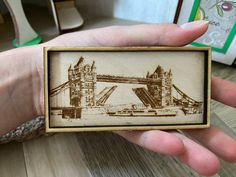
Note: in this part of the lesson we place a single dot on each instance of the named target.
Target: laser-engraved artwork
(88, 89)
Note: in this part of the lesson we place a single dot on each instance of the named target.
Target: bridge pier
(161, 92)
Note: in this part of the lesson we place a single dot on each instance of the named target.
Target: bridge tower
(161, 91)
(82, 84)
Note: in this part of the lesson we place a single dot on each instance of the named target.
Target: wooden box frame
(207, 88)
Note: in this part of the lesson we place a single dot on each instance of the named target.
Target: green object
(229, 39)
(34, 41)
(200, 15)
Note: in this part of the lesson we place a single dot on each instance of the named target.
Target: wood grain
(12, 162)
(55, 123)
(56, 156)
(107, 154)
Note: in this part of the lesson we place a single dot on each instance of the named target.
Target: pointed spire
(93, 66)
(69, 68)
(81, 60)
(158, 69)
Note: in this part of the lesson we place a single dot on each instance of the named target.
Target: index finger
(224, 91)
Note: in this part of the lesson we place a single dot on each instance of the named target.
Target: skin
(21, 91)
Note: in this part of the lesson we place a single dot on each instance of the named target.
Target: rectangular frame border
(228, 40)
(207, 89)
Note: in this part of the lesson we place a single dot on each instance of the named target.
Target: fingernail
(194, 24)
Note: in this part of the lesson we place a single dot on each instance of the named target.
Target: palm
(202, 158)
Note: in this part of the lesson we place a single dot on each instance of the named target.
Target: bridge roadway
(114, 79)
(127, 80)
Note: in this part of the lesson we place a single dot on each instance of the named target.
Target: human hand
(202, 158)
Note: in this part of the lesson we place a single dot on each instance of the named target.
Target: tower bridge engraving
(156, 92)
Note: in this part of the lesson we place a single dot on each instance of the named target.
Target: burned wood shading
(88, 94)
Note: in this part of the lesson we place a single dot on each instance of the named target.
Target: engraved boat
(144, 113)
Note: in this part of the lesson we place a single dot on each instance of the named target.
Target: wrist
(38, 79)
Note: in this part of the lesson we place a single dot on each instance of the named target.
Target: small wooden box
(127, 88)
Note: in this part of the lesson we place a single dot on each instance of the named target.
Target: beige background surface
(186, 67)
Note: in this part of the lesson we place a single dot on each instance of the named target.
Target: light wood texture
(23, 30)
(12, 162)
(65, 128)
(114, 156)
(58, 156)
(98, 154)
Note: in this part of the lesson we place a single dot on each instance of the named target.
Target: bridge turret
(171, 86)
(82, 80)
(159, 71)
(80, 62)
(93, 67)
(79, 66)
(70, 73)
(161, 91)
(167, 99)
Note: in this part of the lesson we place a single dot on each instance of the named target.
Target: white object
(23, 30)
